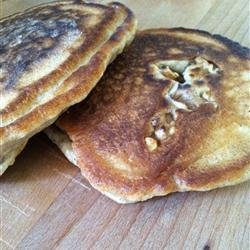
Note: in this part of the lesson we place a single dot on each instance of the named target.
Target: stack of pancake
(170, 113)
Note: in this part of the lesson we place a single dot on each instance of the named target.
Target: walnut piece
(151, 143)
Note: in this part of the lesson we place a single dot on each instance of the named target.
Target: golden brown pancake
(170, 114)
(51, 56)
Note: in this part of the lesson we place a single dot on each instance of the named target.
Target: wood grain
(47, 204)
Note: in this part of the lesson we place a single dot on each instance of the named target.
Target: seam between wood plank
(242, 240)
(211, 11)
(244, 35)
(234, 21)
(6, 242)
(223, 17)
(103, 229)
(186, 235)
(128, 230)
(58, 242)
(211, 203)
(167, 201)
(240, 16)
(130, 224)
(173, 224)
(156, 219)
(208, 13)
(227, 215)
(212, 232)
(160, 210)
(39, 218)
(246, 32)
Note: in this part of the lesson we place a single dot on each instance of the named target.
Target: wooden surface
(46, 204)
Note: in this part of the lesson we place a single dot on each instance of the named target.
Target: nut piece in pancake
(51, 56)
(170, 114)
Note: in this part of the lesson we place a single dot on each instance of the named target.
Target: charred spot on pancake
(30, 38)
(187, 87)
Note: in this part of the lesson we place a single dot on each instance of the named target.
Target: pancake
(170, 114)
(51, 56)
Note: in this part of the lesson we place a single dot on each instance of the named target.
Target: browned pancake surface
(51, 56)
(171, 113)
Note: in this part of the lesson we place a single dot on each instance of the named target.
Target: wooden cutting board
(46, 204)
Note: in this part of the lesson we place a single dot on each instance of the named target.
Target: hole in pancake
(187, 88)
